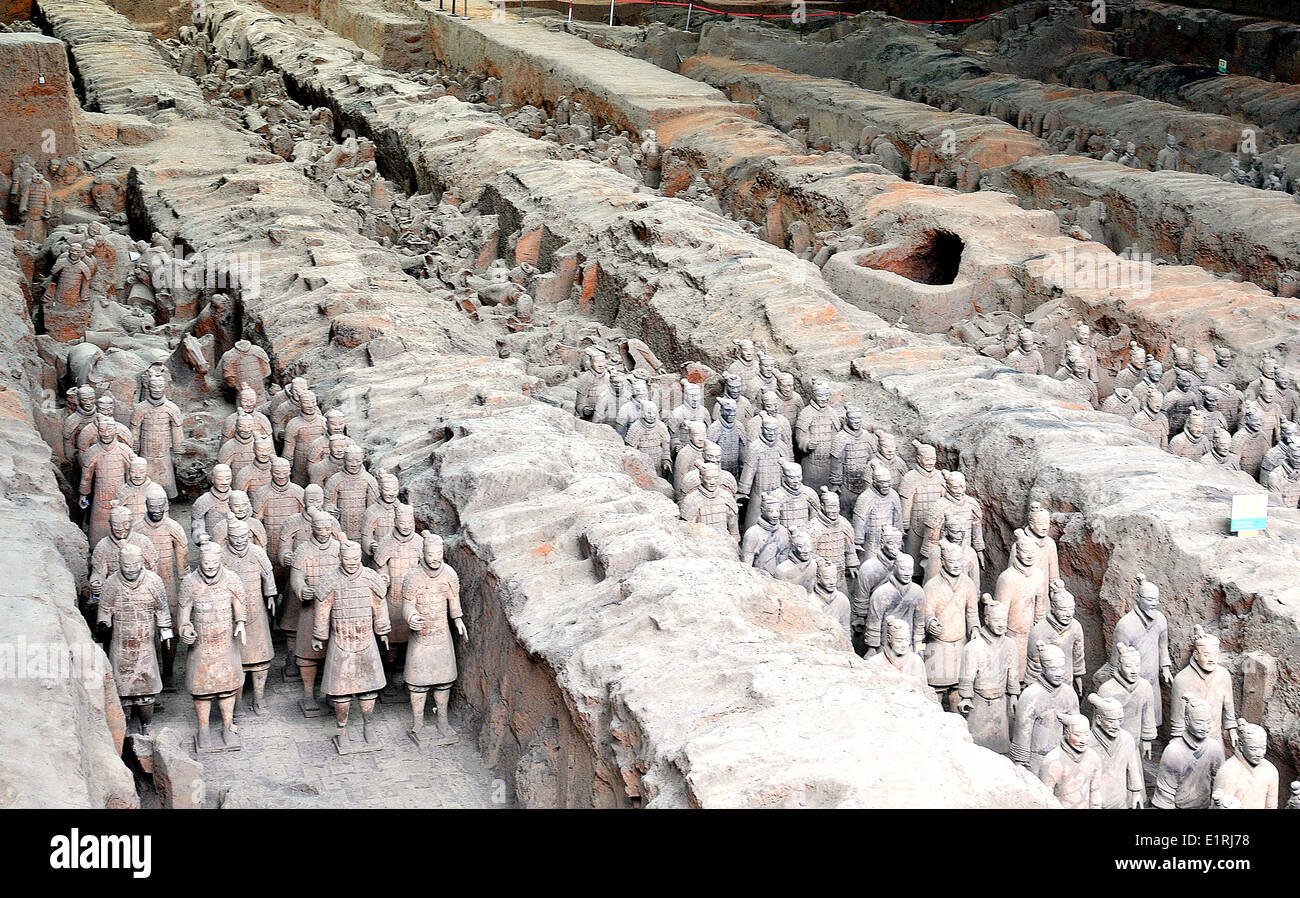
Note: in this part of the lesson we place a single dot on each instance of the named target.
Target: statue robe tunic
(1121, 768)
(213, 665)
(1139, 706)
(352, 611)
(988, 675)
(435, 596)
(954, 603)
(1214, 687)
(256, 577)
(1254, 787)
(1075, 777)
(395, 556)
(1024, 592)
(1187, 772)
(766, 546)
(135, 611)
(1151, 639)
(1037, 729)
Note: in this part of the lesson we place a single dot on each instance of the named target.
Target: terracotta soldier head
(350, 557)
(105, 428)
(1205, 649)
(1075, 731)
(335, 422)
(1154, 371)
(1222, 441)
(263, 449)
(903, 570)
(791, 476)
(770, 509)
(221, 479)
(1148, 598)
(727, 409)
(1252, 740)
(768, 403)
(432, 557)
(210, 561)
(130, 563)
(1053, 661)
(692, 393)
(770, 429)
(745, 350)
(898, 637)
(241, 506)
(888, 444)
(953, 558)
(307, 403)
(891, 541)
(830, 503)
(1025, 340)
(882, 481)
(353, 459)
(155, 503)
(995, 619)
(1155, 402)
(247, 399)
(281, 468)
(1026, 552)
(926, 457)
(801, 545)
(243, 425)
(119, 523)
(138, 473)
(821, 393)
(86, 399)
(785, 380)
(1107, 715)
(237, 534)
(1198, 718)
(322, 525)
(404, 519)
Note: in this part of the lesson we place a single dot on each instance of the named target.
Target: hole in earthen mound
(933, 258)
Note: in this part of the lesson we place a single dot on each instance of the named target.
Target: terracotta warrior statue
(767, 543)
(336, 453)
(954, 499)
(898, 653)
(336, 424)
(133, 604)
(1073, 770)
(897, 597)
(350, 612)
(711, 505)
(283, 405)
(814, 435)
(82, 414)
(1037, 529)
(1251, 442)
(955, 524)
(729, 435)
(210, 619)
(650, 436)
(431, 606)
(1037, 728)
(68, 301)
(851, 453)
(799, 504)
(377, 521)
(106, 557)
(247, 402)
(689, 453)
(157, 433)
(790, 400)
(88, 435)
(1122, 781)
(989, 683)
(213, 506)
(1145, 629)
(833, 536)
(103, 471)
(245, 365)
(1151, 420)
(240, 507)
(351, 491)
(171, 544)
(248, 561)
(1191, 760)
(275, 503)
(763, 469)
(691, 410)
(1248, 776)
(826, 590)
(239, 451)
(1133, 692)
(875, 570)
(800, 566)
(300, 431)
(920, 490)
(1207, 680)
(395, 555)
(1061, 629)
(951, 614)
(652, 159)
(1025, 357)
(257, 473)
(1023, 590)
(315, 562)
(132, 493)
(876, 509)
(593, 387)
